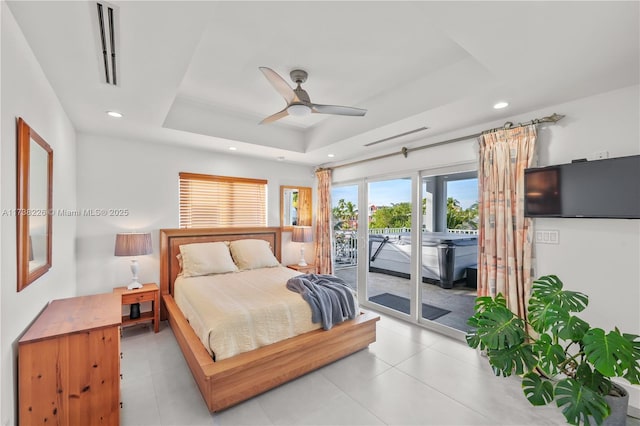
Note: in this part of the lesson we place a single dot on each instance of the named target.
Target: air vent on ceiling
(107, 18)
(410, 132)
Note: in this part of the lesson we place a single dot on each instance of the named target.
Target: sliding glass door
(448, 248)
(388, 281)
(413, 263)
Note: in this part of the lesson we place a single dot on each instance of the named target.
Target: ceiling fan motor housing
(298, 76)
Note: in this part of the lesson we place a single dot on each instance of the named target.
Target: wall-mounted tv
(595, 189)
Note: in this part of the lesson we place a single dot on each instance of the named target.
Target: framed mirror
(34, 205)
(295, 206)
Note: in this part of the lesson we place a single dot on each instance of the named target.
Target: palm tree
(344, 213)
(458, 218)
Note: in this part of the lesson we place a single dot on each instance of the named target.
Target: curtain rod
(553, 118)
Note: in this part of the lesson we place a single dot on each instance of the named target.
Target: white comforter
(241, 311)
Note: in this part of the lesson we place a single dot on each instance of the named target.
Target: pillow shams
(252, 254)
(206, 258)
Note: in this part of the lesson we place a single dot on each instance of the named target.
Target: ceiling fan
(298, 101)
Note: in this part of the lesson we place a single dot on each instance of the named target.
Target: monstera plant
(559, 356)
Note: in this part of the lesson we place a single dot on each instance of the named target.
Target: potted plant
(559, 356)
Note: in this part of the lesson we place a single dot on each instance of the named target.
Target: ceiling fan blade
(274, 117)
(338, 110)
(279, 84)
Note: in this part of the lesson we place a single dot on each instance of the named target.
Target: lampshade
(133, 244)
(302, 234)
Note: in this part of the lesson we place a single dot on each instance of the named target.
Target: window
(209, 201)
(450, 203)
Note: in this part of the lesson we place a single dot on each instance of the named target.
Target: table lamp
(133, 244)
(302, 234)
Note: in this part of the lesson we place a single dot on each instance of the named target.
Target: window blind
(210, 201)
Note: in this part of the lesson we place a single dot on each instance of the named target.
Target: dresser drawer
(128, 299)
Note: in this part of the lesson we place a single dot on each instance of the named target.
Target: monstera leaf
(549, 289)
(497, 327)
(487, 303)
(579, 403)
(514, 360)
(572, 329)
(633, 374)
(473, 340)
(594, 380)
(537, 391)
(550, 308)
(545, 315)
(550, 355)
(613, 354)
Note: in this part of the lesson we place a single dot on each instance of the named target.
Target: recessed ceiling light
(331, 155)
(115, 114)
(232, 148)
(280, 158)
(501, 104)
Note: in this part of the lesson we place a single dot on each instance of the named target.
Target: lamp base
(302, 261)
(134, 285)
(134, 279)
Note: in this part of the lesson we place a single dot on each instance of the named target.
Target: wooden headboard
(172, 239)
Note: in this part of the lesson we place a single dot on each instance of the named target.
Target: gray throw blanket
(330, 298)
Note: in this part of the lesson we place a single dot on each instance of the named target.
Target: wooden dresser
(69, 363)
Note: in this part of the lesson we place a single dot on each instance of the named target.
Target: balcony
(393, 279)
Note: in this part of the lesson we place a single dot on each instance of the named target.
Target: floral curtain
(505, 235)
(324, 264)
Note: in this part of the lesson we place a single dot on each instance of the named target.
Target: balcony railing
(345, 242)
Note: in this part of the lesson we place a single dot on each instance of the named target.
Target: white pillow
(252, 254)
(206, 258)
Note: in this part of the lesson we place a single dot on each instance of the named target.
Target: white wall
(143, 178)
(599, 257)
(26, 93)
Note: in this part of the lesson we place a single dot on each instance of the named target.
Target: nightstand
(148, 293)
(309, 269)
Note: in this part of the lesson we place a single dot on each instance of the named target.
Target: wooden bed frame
(230, 381)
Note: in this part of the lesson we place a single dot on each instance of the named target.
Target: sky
(465, 191)
(384, 193)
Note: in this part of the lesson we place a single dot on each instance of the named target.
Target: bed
(226, 382)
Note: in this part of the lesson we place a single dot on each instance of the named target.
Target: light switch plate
(547, 236)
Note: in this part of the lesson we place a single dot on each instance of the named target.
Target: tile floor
(409, 376)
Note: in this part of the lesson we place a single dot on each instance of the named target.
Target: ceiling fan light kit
(298, 102)
(298, 110)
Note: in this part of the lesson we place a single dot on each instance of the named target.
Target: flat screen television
(607, 188)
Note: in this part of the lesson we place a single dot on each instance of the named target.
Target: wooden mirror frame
(304, 207)
(24, 211)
